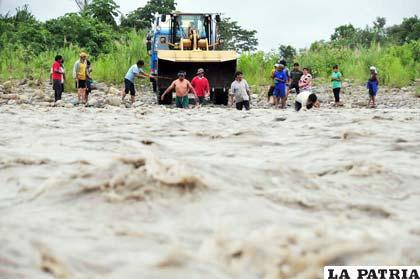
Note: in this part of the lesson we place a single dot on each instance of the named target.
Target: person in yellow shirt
(80, 75)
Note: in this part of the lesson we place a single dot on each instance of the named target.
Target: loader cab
(184, 26)
(188, 41)
(169, 30)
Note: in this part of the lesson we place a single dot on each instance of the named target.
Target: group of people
(296, 80)
(301, 83)
(81, 74)
(199, 86)
(284, 82)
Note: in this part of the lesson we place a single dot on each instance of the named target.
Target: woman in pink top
(305, 82)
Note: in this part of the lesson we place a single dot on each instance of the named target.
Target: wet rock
(39, 93)
(45, 104)
(114, 91)
(96, 102)
(59, 103)
(113, 101)
(92, 102)
(25, 98)
(137, 104)
(102, 87)
(49, 98)
(7, 86)
(9, 96)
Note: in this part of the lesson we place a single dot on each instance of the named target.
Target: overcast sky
(297, 23)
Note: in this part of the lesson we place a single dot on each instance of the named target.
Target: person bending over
(306, 100)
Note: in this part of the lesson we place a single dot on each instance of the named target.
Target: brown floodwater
(206, 193)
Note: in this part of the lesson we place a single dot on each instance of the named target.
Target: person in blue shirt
(280, 80)
(135, 71)
(373, 86)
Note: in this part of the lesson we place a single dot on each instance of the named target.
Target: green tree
(345, 35)
(142, 17)
(287, 52)
(22, 29)
(407, 31)
(103, 10)
(237, 38)
(82, 4)
(89, 33)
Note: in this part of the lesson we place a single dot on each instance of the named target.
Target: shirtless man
(182, 87)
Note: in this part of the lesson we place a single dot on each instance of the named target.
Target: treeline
(113, 40)
(95, 28)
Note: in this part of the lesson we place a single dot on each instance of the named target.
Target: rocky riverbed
(111, 190)
(353, 96)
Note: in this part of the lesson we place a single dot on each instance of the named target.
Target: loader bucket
(219, 67)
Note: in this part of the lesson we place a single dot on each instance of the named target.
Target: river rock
(12, 102)
(96, 102)
(345, 85)
(137, 104)
(68, 105)
(113, 101)
(100, 86)
(45, 104)
(114, 91)
(59, 103)
(8, 86)
(25, 98)
(39, 93)
(9, 96)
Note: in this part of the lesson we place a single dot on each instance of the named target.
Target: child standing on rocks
(336, 84)
(279, 93)
(373, 86)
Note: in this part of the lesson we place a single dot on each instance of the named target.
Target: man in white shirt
(306, 100)
(240, 91)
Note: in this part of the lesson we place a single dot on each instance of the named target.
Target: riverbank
(38, 93)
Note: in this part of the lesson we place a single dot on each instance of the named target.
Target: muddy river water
(212, 193)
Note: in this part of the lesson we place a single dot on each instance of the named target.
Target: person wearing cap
(279, 93)
(373, 86)
(135, 70)
(201, 86)
(80, 76)
(182, 87)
